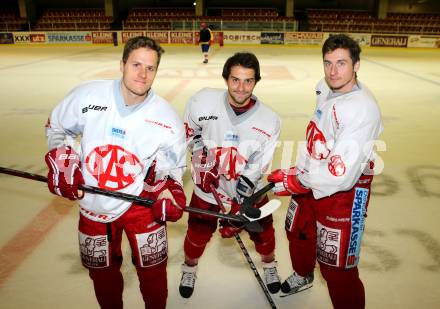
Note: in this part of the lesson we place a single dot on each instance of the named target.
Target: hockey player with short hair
(331, 182)
(131, 141)
(232, 136)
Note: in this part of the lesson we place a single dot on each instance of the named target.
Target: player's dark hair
(342, 41)
(142, 42)
(244, 59)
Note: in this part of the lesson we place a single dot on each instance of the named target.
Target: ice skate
(296, 283)
(188, 280)
(271, 277)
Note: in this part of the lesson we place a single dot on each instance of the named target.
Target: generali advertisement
(389, 40)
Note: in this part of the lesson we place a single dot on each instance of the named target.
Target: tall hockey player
(132, 141)
(205, 40)
(331, 181)
(232, 136)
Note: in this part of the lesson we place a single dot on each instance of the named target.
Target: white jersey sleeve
(193, 126)
(66, 122)
(340, 140)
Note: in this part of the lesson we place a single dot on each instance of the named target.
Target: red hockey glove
(64, 174)
(286, 182)
(229, 229)
(204, 170)
(170, 203)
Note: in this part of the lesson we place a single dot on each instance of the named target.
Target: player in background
(131, 141)
(331, 182)
(205, 40)
(232, 136)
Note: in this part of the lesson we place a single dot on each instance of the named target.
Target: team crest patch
(357, 226)
(153, 247)
(94, 250)
(290, 216)
(329, 244)
(336, 166)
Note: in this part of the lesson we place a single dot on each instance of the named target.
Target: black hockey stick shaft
(245, 253)
(122, 196)
(254, 269)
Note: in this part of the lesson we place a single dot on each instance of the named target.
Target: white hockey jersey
(118, 142)
(340, 140)
(244, 144)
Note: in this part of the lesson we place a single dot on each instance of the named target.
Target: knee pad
(345, 287)
(153, 285)
(302, 255)
(195, 242)
(264, 241)
(335, 275)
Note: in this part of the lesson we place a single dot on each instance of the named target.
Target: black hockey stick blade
(250, 226)
(123, 196)
(247, 207)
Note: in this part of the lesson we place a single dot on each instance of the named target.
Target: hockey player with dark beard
(232, 137)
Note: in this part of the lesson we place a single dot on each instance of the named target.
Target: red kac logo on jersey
(316, 142)
(229, 159)
(336, 166)
(113, 167)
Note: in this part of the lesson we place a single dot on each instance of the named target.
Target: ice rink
(400, 260)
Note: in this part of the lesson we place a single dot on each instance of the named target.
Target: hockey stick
(247, 205)
(245, 252)
(126, 197)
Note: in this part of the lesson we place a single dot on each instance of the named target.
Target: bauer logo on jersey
(231, 137)
(153, 247)
(117, 132)
(329, 244)
(357, 226)
(92, 107)
(208, 118)
(94, 250)
(113, 167)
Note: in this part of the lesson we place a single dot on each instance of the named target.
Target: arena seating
(163, 19)
(11, 21)
(74, 19)
(365, 22)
